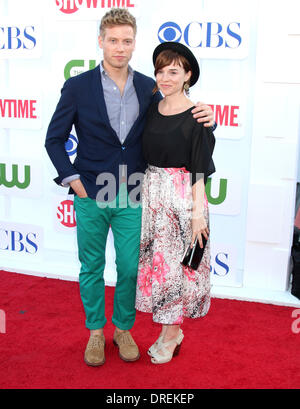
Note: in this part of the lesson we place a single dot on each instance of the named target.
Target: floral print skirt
(165, 288)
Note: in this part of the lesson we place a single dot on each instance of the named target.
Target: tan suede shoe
(94, 353)
(128, 349)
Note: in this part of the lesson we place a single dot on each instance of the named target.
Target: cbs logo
(202, 34)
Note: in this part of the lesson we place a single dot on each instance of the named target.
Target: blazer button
(123, 148)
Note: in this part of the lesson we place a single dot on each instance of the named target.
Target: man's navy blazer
(99, 148)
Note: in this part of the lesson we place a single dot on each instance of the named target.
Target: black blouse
(176, 141)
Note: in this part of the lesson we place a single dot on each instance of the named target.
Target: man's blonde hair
(117, 17)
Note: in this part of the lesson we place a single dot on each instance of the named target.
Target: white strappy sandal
(157, 358)
(155, 346)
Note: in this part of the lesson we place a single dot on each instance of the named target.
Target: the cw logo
(75, 64)
(222, 192)
(15, 177)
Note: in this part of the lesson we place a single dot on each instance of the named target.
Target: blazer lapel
(141, 98)
(99, 98)
(140, 94)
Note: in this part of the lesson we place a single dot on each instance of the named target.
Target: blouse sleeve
(202, 146)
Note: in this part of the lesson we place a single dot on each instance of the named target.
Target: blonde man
(108, 106)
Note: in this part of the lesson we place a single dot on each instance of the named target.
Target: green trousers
(93, 222)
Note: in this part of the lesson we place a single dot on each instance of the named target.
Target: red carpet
(238, 345)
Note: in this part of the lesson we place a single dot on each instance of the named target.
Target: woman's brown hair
(168, 57)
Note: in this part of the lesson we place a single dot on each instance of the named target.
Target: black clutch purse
(193, 255)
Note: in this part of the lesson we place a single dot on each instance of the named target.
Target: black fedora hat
(185, 52)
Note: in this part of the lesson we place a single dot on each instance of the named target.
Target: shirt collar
(104, 73)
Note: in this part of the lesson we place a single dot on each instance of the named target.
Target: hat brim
(185, 52)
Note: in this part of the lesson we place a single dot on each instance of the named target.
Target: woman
(175, 209)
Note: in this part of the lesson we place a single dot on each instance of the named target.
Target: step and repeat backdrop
(251, 196)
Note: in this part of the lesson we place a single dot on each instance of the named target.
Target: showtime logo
(71, 6)
(230, 113)
(226, 115)
(18, 108)
(66, 213)
(20, 111)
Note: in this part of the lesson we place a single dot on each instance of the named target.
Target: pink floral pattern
(179, 320)
(145, 280)
(189, 273)
(181, 179)
(160, 268)
(156, 273)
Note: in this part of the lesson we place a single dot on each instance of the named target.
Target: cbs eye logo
(169, 31)
(71, 145)
(208, 34)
